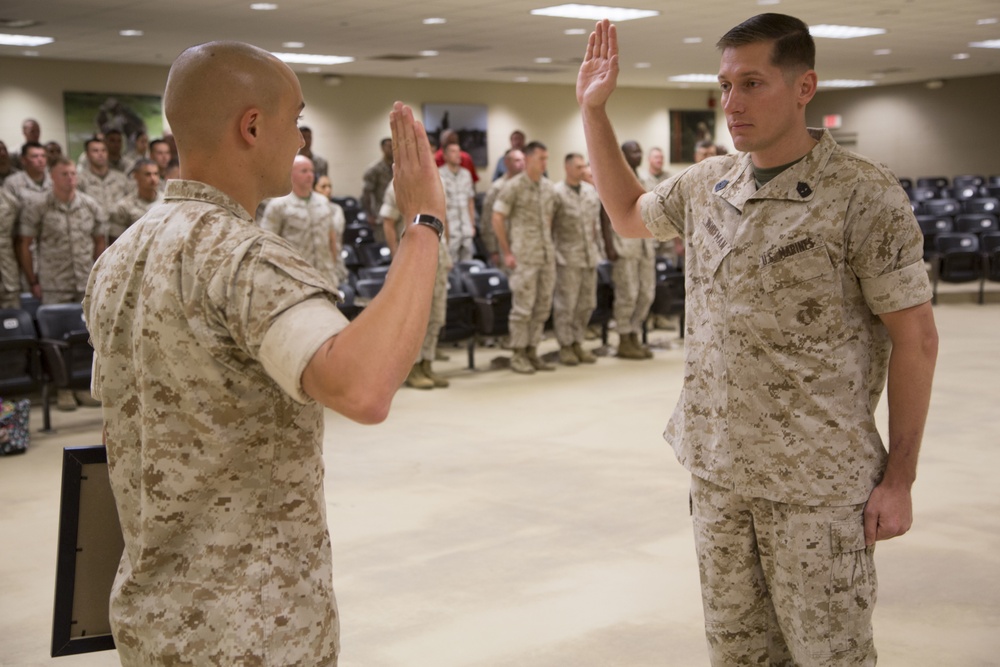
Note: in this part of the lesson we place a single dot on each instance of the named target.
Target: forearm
(372, 356)
(616, 183)
(24, 259)
(500, 231)
(911, 373)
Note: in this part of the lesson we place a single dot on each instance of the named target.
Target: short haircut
(154, 142)
(112, 131)
(572, 156)
(305, 128)
(62, 161)
(532, 147)
(385, 141)
(449, 137)
(139, 164)
(92, 140)
(517, 132)
(793, 45)
(28, 145)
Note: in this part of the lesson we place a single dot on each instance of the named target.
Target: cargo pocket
(853, 586)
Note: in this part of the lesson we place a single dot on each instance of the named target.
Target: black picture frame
(89, 549)
(687, 128)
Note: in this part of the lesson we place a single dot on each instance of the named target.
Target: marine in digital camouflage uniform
(145, 194)
(216, 348)
(514, 161)
(526, 203)
(422, 375)
(97, 179)
(70, 229)
(309, 222)
(806, 290)
(10, 274)
(574, 234)
(460, 195)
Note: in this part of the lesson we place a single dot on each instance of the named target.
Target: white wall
(349, 120)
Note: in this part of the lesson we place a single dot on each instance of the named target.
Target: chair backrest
(367, 288)
(968, 180)
(990, 242)
(373, 272)
(952, 243)
(20, 363)
(934, 224)
(936, 182)
(981, 205)
(374, 254)
(349, 254)
(940, 207)
(906, 183)
(64, 322)
(355, 234)
(919, 194)
(470, 265)
(455, 283)
(977, 224)
(961, 193)
(486, 283)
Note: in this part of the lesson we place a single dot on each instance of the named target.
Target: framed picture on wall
(687, 128)
(90, 113)
(468, 120)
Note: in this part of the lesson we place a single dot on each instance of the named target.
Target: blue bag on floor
(14, 434)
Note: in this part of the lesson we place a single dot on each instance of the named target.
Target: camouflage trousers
(531, 302)
(634, 279)
(788, 585)
(461, 247)
(573, 303)
(439, 309)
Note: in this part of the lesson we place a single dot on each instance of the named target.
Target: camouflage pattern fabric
(575, 232)
(458, 190)
(65, 236)
(123, 214)
(307, 225)
(10, 271)
(22, 187)
(439, 301)
(214, 449)
(783, 585)
(785, 357)
(107, 190)
(634, 279)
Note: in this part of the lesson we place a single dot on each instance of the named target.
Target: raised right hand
(415, 175)
(598, 74)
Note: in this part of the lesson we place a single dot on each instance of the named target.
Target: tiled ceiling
(499, 40)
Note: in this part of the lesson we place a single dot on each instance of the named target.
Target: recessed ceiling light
(314, 70)
(643, 65)
(293, 45)
(843, 31)
(131, 33)
(421, 75)
(882, 52)
(264, 6)
(695, 78)
(692, 40)
(521, 79)
(845, 83)
(312, 59)
(31, 54)
(768, 2)
(878, 75)
(24, 40)
(428, 54)
(595, 12)
(961, 56)
(543, 61)
(988, 44)
(435, 21)
(575, 31)
(986, 21)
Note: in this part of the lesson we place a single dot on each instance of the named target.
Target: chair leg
(472, 353)
(46, 414)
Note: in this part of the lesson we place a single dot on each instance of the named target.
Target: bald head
(212, 85)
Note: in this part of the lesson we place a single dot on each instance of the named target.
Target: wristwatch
(430, 221)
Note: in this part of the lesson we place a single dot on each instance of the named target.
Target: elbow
(365, 407)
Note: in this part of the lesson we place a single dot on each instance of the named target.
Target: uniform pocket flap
(847, 536)
(796, 269)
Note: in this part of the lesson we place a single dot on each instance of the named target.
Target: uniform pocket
(806, 296)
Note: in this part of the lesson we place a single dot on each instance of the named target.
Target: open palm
(599, 71)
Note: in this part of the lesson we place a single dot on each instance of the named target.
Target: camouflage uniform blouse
(528, 207)
(307, 225)
(575, 225)
(202, 325)
(785, 354)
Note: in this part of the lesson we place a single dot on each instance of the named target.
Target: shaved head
(212, 85)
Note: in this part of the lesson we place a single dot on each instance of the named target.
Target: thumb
(871, 526)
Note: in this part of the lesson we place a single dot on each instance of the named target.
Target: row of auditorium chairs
(44, 349)
(479, 299)
(963, 257)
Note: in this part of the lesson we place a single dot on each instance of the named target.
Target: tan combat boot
(583, 355)
(646, 352)
(438, 381)
(567, 356)
(417, 379)
(627, 347)
(536, 361)
(519, 362)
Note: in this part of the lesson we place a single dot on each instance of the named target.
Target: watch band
(430, 221)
